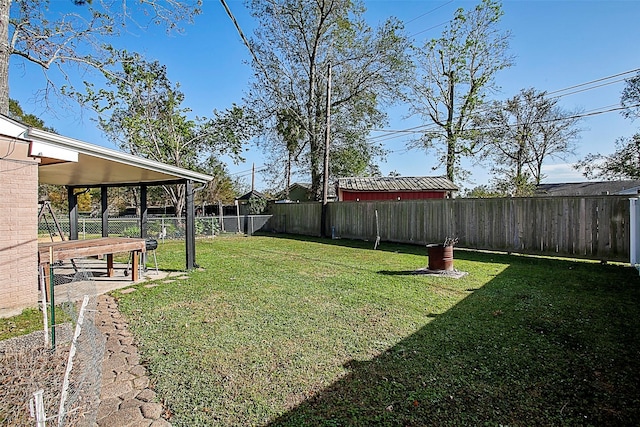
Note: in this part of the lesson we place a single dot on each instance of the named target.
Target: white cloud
(562, 172)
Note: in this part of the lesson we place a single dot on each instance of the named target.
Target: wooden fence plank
(593, 227)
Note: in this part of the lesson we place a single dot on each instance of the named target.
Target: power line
(595, 81)
(428, 12)
(590, 113)
(422, 128)
(572, 117)
(588, 88)
(244, 39)
(430, 28)
(249, 171)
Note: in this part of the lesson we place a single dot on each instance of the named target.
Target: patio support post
(105, 211)
(73, 213)
(190, 229)
(144, 217)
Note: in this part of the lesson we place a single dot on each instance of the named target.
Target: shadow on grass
(360, 244)
(525, 349)
(398, 272)
(467, 254)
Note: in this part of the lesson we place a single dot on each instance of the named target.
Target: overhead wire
(430, 28)
(595, 81)
(428, 12)
(398, 133)
(587, 88)
(589, 113)
(249, 171)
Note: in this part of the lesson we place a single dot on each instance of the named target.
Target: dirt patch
(454, 274)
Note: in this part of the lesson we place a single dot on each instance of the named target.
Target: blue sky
(557, 44)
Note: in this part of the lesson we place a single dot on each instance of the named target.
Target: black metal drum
(151, 244)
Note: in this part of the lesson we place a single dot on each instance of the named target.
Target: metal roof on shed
(398, 183)
(589, 188)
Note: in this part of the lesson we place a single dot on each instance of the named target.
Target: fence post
(43, 288)
(221, 216)
(52, 299)
(72, 352)
(84, 229)
(634, 232)
(41, 417)
(238, 215)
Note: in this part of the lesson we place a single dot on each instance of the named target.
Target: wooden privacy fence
(588, 227)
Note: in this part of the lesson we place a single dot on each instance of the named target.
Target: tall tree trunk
(288, 172)
(311, 129)
(317, 153)
(316, 174)
(451, 157)
(5, 53)
(451, 136)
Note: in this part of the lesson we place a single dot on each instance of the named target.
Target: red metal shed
(394, 188)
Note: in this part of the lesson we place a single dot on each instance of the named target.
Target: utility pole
(253, 176)
(325, 178)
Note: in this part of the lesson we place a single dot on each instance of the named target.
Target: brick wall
(18, 227)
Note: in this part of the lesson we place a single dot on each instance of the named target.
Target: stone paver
(125, 398)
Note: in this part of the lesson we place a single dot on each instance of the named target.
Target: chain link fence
(161, 228)
(53, 377)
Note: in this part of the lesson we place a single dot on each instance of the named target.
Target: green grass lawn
(30, 320)
(295, 331)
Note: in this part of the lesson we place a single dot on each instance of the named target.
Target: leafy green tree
(222, 188)
(80, 37)
(630, 98)
(141, 111)
(484, 192)
(289, 128)
(454, 75)
(521, 133)
(16, 112)
(257, 205)
(624, 163)
(293, 44)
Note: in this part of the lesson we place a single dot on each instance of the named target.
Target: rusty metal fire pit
(440, 257)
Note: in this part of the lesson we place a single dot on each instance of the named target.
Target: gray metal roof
(399, 183)
(589, 188)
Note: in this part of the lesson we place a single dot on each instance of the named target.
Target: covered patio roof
(75, 163)
(78, 164)
(67, 161)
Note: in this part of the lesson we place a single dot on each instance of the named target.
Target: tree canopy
(16, 112)
(520, 134)
(454, 75)
(293, 44)
(76, 34)
(141, 111)
(624, 163)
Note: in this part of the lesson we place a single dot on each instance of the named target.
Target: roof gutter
(73, 145)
